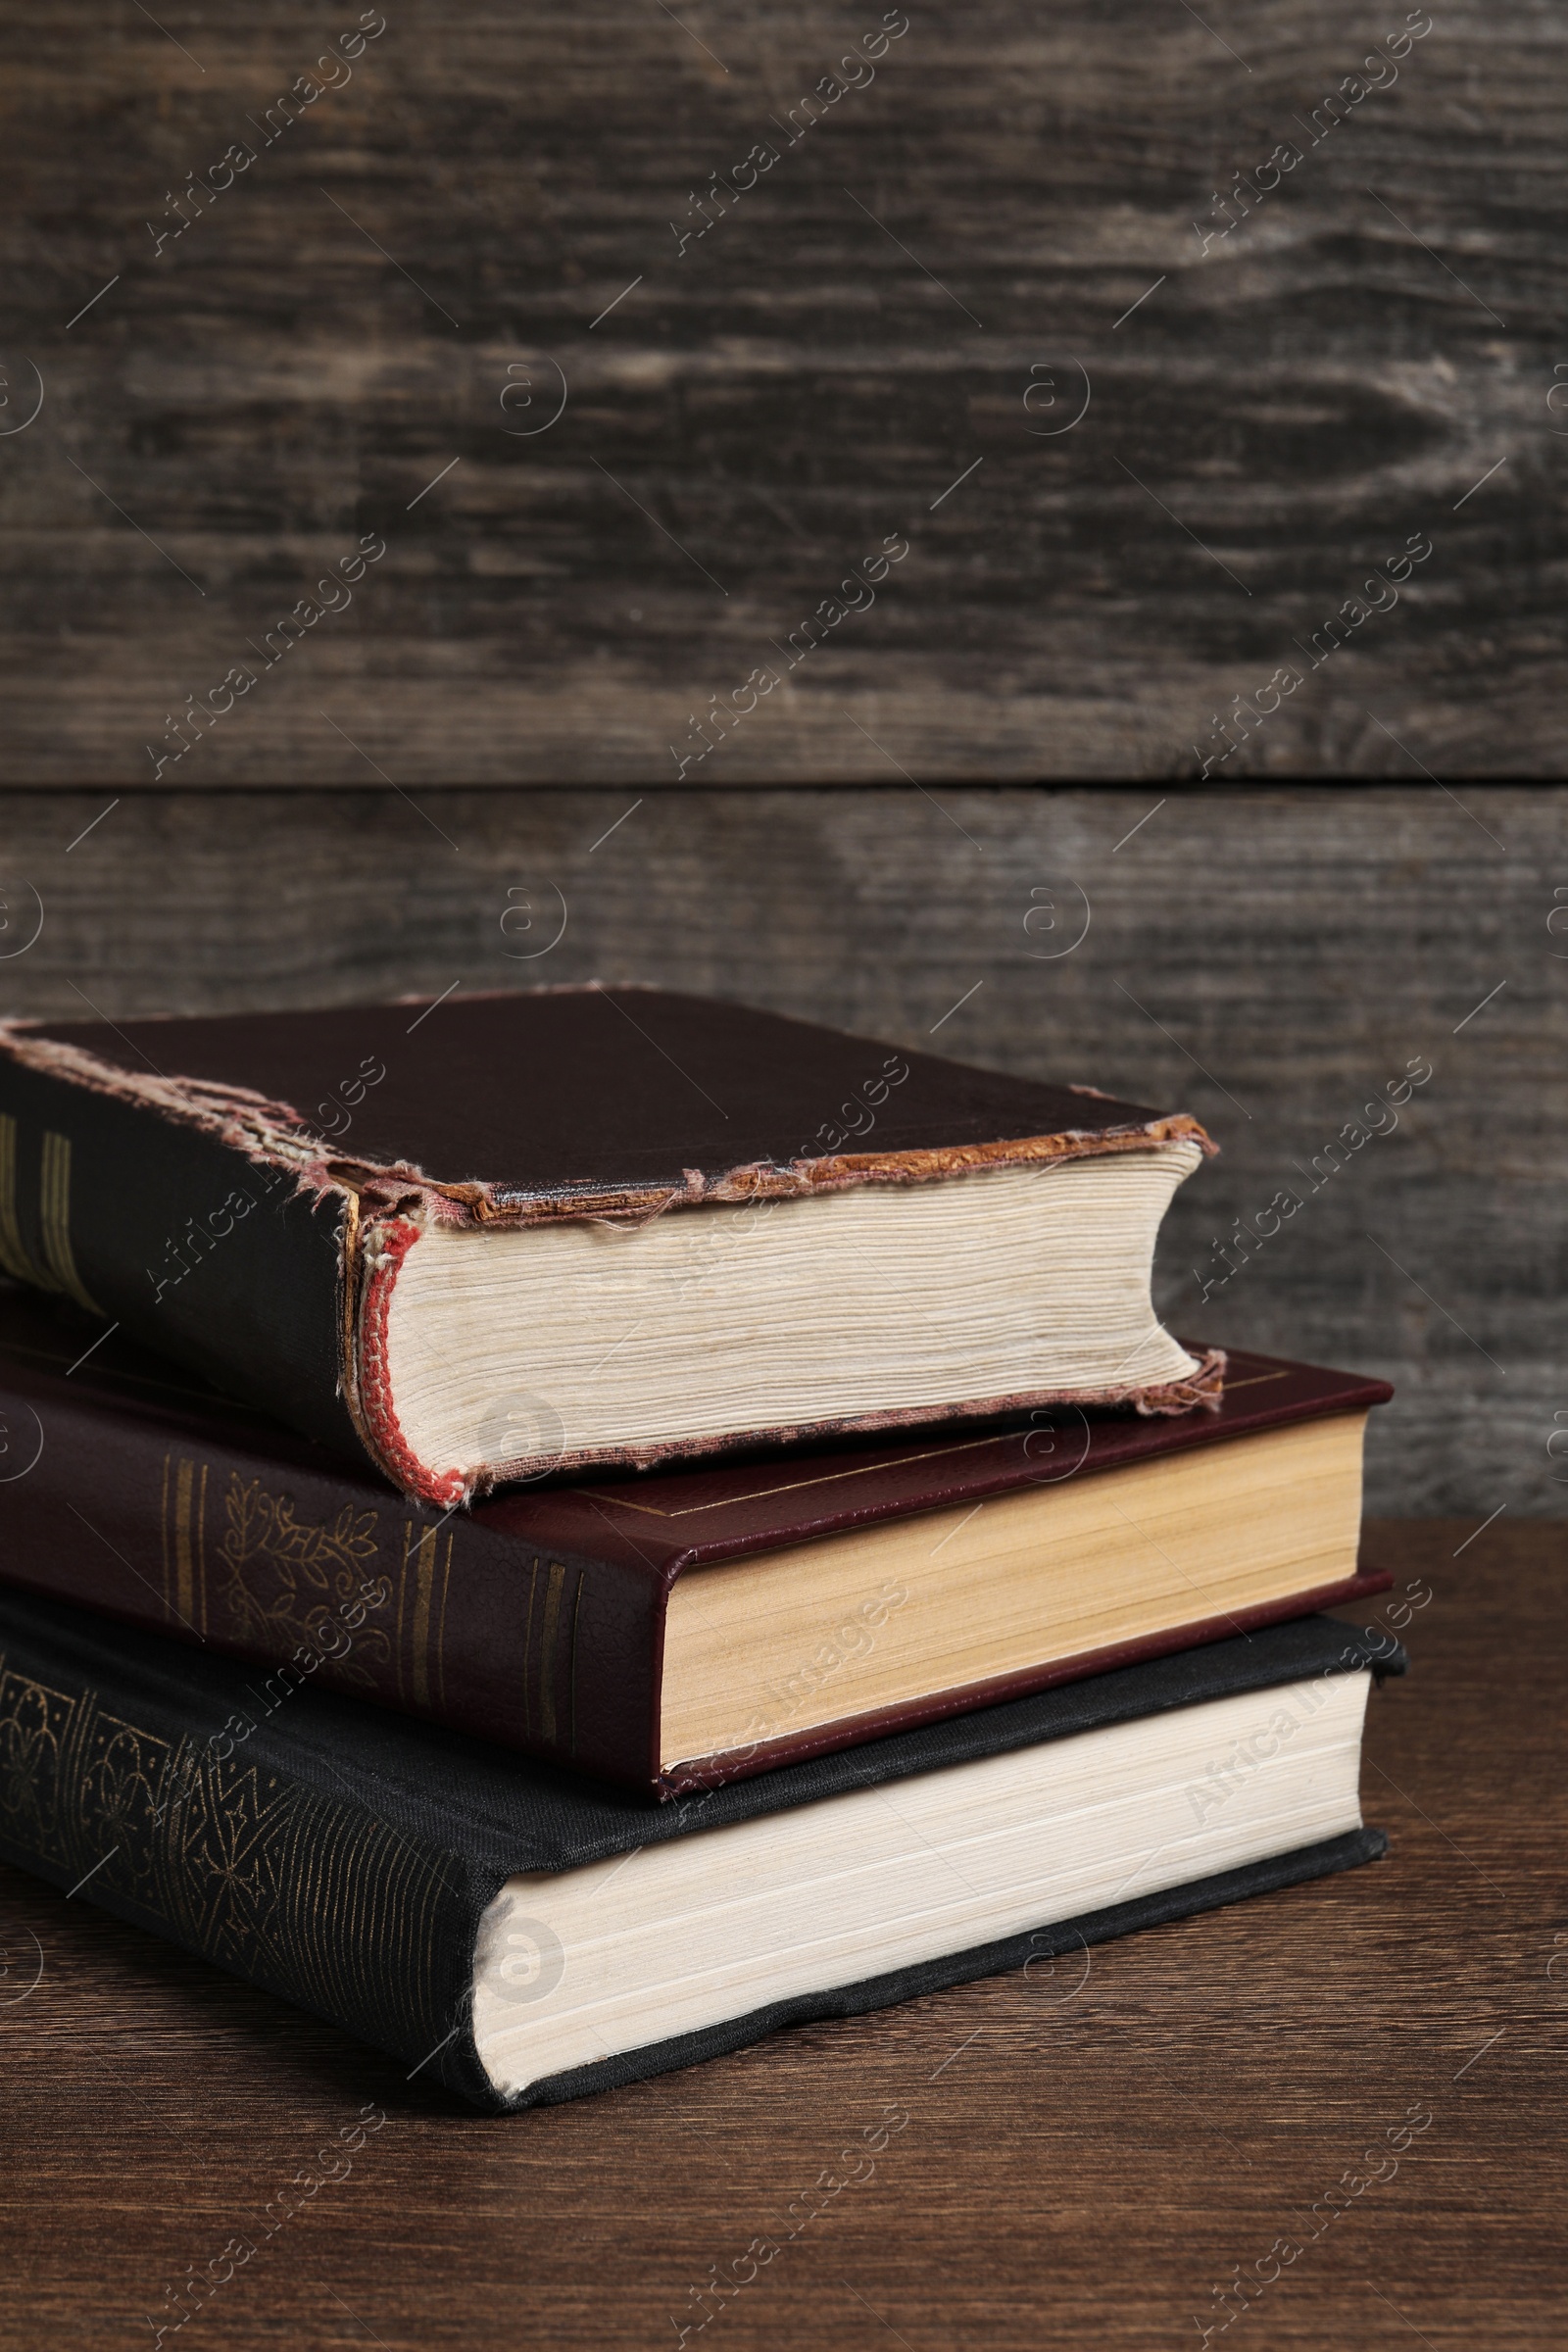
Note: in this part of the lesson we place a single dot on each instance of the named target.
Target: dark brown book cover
(536, 1619)
(241, 1190)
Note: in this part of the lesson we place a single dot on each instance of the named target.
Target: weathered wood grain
(1085, 2158)
(1270, 960)
(1014, 206)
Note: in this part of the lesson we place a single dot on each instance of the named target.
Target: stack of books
(565, 1532)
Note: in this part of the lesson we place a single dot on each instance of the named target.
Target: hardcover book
(506, 1928)
(491, 1238)
(686, 1627)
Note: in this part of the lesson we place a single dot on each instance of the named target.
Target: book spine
(318, 1576)
(217, 1259)
(115, 1795)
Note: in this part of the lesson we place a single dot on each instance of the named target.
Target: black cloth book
(525, 1935)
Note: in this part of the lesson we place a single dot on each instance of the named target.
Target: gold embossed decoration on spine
(15, 1259)
(427, 1566)
(550, 1653)
(289, 1581)
(312, 1897)
(58, 1271)
(184, 1539)
(54, 1217)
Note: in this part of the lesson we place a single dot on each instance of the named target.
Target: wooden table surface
(1083, 2161)
(1036, 291)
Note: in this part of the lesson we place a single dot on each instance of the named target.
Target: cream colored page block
(1044, 1573)
(882, 1297)
(721, 1923)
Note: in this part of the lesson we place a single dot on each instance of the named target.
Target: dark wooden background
(1080, 2170)
(1268, 959)
(1281, 412)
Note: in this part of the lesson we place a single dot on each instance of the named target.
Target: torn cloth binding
(557, 1089)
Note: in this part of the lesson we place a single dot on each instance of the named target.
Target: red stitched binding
(397, 1457)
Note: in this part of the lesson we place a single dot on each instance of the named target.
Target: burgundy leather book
(484, 1239)
(679, 1630)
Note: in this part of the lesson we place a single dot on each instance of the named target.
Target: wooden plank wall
(1002, 211)
(1268, 959)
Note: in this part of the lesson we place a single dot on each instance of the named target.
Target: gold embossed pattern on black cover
(310, 1896)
